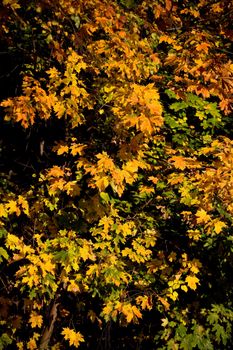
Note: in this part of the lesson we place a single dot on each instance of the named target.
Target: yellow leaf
(31, 344)
(56, 171)
(77, 149)
(12, 3)
(46, 264)
(107, 310)
(194, 269)
(84, 252)
(74, 338)
(53, 73)
(136, 312)
(184, 288)
(174, 295)
(62, 149)
(202, 216)
(13, 242)
(166, 39)
(218, 226)
(192, 282)
(144, 301)
(73, 287)
(102, 183)
(3, 212)
(35, 320)
(20, 345)
(13, 208)
(24, 204)
(93, 269)
(130, 312)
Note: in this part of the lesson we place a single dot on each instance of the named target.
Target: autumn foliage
(117, 184)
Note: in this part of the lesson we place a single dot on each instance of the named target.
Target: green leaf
(105, 197)
(3, 253)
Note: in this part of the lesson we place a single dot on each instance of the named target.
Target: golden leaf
(202, 216)
(13, 242)
(130, 312)
(164, 302)
(74, 338)
(173, 295)
(84, 252)
(56, 171)
(20, 345)
(3, 212)
(219, 225)
(153, 179)
(31, 344)
(36, 320)
(62, 149)
(13, 208)
(192, 282)
(77, 148)
(203, 47)
(144, 301)
(184, 288)
(178, 162)
(24, 204)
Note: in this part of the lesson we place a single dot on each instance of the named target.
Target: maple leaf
(53, 73)
(102, 183)
(202, 216)
(77, 149)
(46, 264)
(12, 207)
(62, 149)
(130, 312)
(24, 204)
(20, 345)
(144, 301)
(74, 338)
(4, 254)
(217, 7)
(36, 320)
(153, 179)
(203, 47)
(59, 109)
(84, 252)
(178, 162)
(73, 287)
(192, 282)
(218, 226)
(92, 269)
(56, 171)
(107, 310)
(31, 344)
(166, 39)
(173, 295)
(3, 212)
(13, 242)
(164, 302)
